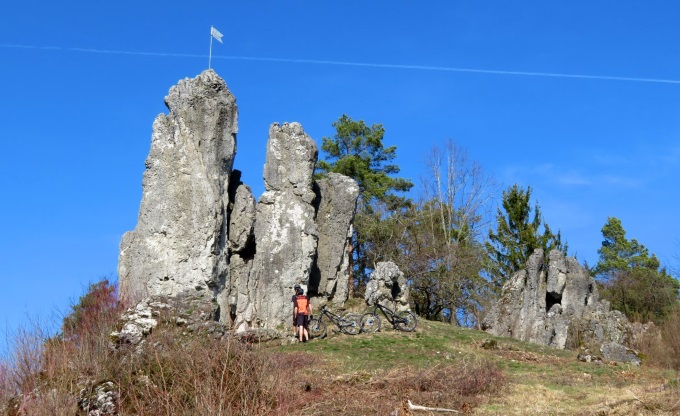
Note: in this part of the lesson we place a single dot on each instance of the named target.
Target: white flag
(216, 34)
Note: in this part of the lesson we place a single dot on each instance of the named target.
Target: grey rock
(336, 207)
(137, 322)
(242, 219)
(179, 242)
(99, 400)
(244, 295)
(290, 160)
(387, 286)
(201, 237)
(285, 231)
(560, 308)
(615, 352)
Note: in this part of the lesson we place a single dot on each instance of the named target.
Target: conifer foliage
(517, 235)
(356, 150)
(631, 279)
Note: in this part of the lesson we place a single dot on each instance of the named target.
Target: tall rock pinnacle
(201, 235)
(180, 239)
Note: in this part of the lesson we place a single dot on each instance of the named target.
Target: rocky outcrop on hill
(556, 303)
(285, 230)
(387, 286)
(201, 235)
(179, 242)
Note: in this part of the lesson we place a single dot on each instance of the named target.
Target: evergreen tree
(517, 235)
(356, 150)
(631, 279)
(617, 254)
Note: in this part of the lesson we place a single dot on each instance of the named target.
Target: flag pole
(210, 54)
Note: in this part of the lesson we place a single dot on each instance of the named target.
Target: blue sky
(83, 82)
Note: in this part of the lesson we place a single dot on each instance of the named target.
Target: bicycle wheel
(405, 321)
(370, 322)
(316, 328)
(350, 324)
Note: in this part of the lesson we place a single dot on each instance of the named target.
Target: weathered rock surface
(179, 242)
(387, 286)
(201, 235)
(241, 219)
(285, 231)
(99, 400)
(556, 303)
(336, 206)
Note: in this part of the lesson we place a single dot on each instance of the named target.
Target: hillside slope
(180, 371)
(447, 367)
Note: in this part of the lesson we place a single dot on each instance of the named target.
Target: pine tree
(356, 150)
(631, 279)
(517, 235)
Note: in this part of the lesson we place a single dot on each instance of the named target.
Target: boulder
(387, 286)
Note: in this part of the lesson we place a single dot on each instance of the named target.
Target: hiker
(302, 309)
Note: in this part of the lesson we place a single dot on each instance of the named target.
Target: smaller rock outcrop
(556, 303)
(387, 286)
(194, 312)
(99, 400)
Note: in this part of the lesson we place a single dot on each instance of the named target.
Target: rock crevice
(201, 231)
(555, 302)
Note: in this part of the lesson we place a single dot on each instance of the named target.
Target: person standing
(302, 309)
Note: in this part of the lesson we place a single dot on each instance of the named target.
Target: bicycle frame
(392, 318)
(331, 316)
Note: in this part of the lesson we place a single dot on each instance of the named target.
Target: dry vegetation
(438, 366)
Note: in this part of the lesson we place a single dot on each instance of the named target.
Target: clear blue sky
(83, 81)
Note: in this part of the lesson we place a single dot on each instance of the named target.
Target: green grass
(538, 377)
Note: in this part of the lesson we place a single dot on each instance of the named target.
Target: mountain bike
(403, 321)
(348, 324)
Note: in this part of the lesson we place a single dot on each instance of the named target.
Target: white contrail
(358, 64)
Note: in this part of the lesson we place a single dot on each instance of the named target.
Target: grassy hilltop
(177, 372)
(447, 367)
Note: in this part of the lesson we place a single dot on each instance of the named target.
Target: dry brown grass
(179, 373)
(661, 347)
(461, 386)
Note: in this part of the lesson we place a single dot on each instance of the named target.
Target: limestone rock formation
(556, 303)
(387, 286)
(179, 242)
(201, 235)
(336, 205)
(285, 231)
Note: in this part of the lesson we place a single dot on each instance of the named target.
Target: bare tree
(437, 242)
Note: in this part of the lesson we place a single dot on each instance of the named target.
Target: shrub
(662, 346)
(171, 372)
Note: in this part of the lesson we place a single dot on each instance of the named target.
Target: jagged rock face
(201, 235)
(237, 296)
(285, 231)
(560, 308)
(387, 286)
(336, 206)
(241, 219)
(180, 239)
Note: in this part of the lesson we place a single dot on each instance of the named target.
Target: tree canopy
(517, 235)
(356, 150)
(631, 279)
